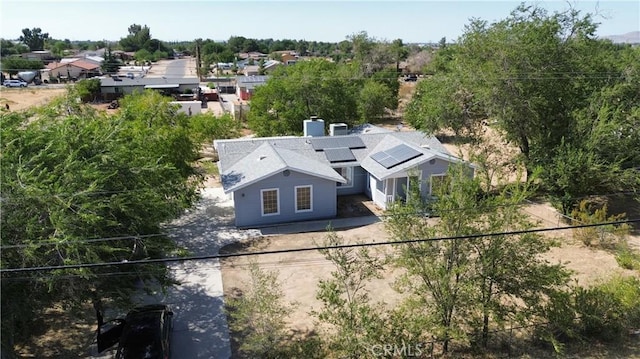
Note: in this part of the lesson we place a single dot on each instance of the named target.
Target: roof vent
(338, 129)
(262, 157)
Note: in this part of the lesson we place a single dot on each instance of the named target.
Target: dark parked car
(143, 333)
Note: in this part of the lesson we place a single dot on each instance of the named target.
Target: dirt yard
(23, 98)
(300, 272)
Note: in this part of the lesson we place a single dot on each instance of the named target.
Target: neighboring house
(43, 55)
(251, 70)
(252, 55)
(270, 65)
(287, 179)
(73, 68)
(115, 87)
(289, 59)
(246, 85)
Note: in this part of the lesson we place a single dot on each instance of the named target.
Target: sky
(416, 21)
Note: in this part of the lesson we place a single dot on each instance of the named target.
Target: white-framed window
(347, 173)
(380, 185)
(436, 183)
(304, 198)
(270, 200)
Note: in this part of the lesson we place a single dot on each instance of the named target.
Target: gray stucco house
(288, 179)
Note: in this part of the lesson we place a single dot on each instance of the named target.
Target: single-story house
(256, 55)
(251, 70)
(289, 59)
(246, 85)
(116, 86)
(73, 68)
(288, 179)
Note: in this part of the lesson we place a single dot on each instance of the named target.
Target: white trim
(295, 195)
(431, 181)
(348, 177)
(262, 201)
(419, 181)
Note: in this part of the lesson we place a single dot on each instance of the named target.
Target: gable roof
(250, 82)
(388, 143)
(83, 64)
(268, 160)
(247, 160)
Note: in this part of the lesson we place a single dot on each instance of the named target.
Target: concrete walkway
(200, 328)
(318, 226)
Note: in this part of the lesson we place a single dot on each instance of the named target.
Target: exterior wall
(70, 71)
(248, 202)
(189, 107)
(245, 95)
(359, 183)
(393, 188)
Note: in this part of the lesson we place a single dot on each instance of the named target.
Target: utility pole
(198, 62)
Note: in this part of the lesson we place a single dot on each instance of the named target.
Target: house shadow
(357, 205)
(626, 204)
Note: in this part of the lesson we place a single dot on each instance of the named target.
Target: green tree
(72, 177)
(137, 38)
(355, 323)
(9, 48)
(13, 65)
(88, 89)
(465, 288)
(399, 51)
(442, 102)
(373, 100)
(294, 93)
(110, 65)
(542, 80)
(259, 315)
(34, 38)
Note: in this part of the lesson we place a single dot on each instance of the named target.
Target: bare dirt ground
(23, 98)
(300, 272)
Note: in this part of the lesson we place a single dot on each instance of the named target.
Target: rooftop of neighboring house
(75, 62)
(244, 81)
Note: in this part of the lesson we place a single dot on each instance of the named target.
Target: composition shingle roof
(247, 160)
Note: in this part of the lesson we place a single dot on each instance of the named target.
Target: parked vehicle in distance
(411, 78)
(143, 333)
(14, 83)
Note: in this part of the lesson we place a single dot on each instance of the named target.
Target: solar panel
(395, 156)
(403, 153)
(342, 154)
(351, 142)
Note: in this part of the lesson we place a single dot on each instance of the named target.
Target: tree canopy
(34, 38)
(541, 80)
(80, 186)
(331, 91)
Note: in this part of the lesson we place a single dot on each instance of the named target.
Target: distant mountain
(628, 38)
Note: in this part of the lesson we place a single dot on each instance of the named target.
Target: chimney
(313, 127)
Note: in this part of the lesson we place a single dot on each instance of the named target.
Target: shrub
(604, 312)
(608, 237)
(628, 258)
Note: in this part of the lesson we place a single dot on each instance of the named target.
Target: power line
(307, 249)
(80, 241)
(102, 239)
